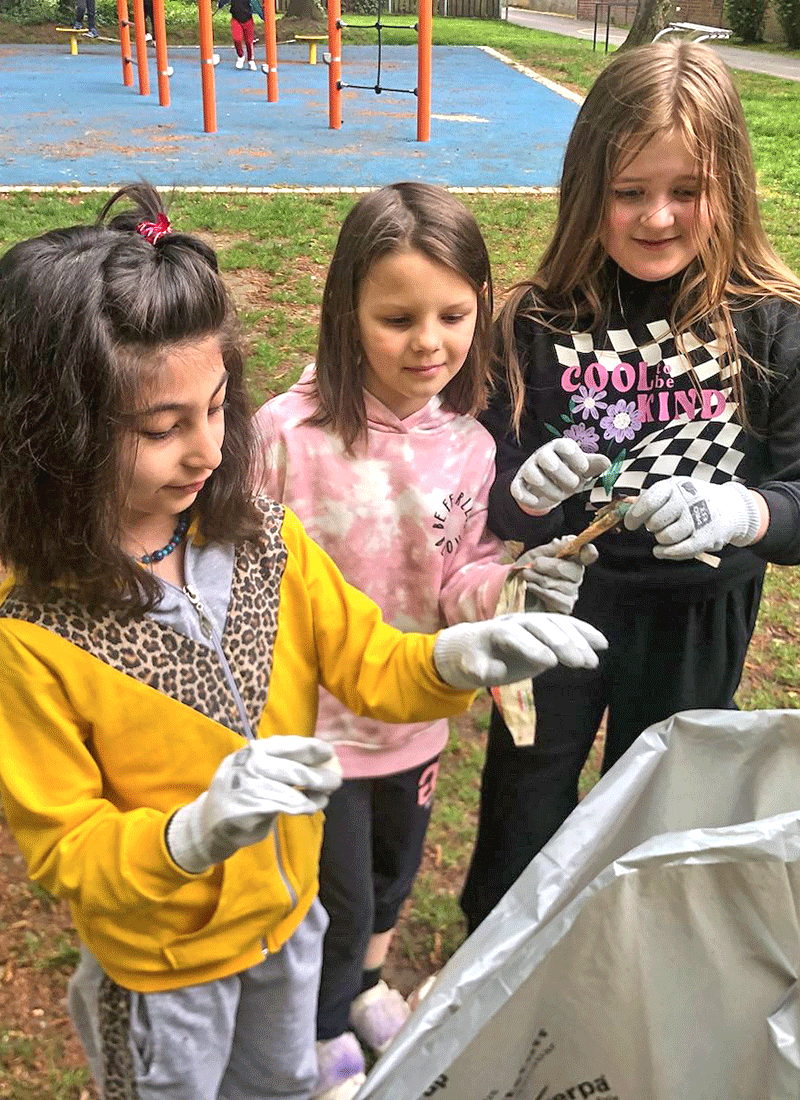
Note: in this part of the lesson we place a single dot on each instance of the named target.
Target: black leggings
(664, 656)
(371, 850)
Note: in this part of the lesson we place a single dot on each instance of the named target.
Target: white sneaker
(252, 65)
(239, 62)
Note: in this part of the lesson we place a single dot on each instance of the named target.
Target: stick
(610, 515)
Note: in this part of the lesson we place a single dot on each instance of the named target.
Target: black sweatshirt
(628, 394)
(241, 10)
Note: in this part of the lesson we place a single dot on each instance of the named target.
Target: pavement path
(755, 61)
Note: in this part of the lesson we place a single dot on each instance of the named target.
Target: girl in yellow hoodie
(163, 636)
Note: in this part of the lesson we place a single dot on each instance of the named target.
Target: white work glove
(515, 647)
(555, 471)
(277, 775)
(688, 516)
(553, 582)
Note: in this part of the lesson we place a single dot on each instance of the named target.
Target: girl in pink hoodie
(377, 451)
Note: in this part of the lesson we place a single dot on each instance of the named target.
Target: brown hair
(667, 87)
(397, 218)
(84, 311)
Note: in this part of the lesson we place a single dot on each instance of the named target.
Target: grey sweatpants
(246, 1037)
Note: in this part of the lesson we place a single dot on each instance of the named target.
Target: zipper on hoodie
(208, 631)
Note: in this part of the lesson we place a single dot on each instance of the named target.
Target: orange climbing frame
(424, 55)
(125, 42)
(207, 67)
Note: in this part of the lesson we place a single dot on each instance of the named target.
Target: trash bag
(651, 951)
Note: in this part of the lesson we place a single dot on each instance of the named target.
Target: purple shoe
(377, 1014)
(341, 1068)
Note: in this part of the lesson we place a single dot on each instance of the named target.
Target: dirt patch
(39, 1051)
(287, 28)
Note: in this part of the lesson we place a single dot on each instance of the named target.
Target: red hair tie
(154, 231)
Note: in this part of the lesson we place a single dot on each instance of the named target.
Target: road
(756, 61)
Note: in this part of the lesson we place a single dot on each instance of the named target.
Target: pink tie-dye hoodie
(404, 518)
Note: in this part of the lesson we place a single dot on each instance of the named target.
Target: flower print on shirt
(622, 421)
(588, 401)
(585, 436)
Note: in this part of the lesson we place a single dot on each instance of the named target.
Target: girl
(162, 639)
(242, 29)
(376, 450)
(655, 354)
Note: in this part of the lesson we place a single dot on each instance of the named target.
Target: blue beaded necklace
(176, 540)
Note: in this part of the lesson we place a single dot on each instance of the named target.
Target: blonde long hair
(668, 87)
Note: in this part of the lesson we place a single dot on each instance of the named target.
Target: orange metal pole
(271, 48)
(335, 65)
(162, 65)
(125, 42)
(424, 54)
(207, 66)
(141, 48)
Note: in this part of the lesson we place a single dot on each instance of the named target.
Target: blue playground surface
(69, 121)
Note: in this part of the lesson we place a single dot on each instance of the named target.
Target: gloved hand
(515, 647)
(554, 582)
(279, 775)
(555, 471)
(689, 516)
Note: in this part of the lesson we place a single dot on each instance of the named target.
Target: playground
(69, 121)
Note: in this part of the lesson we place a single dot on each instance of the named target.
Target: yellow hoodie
(108, 727)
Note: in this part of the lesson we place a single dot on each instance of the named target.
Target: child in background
(655, 354)
(377, 450)
(82, 8)
(242, 29)
(162, 639)
(148, 15)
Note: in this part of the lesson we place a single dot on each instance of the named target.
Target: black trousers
(371, 851)
(85, 6)
(665, 655)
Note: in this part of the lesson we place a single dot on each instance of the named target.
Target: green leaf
(611, 475)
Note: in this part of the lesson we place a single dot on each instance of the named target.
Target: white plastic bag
(651, 951)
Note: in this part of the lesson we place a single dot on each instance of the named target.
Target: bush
(361, 7)
(788, 13)
(746, 18)
(37, 11)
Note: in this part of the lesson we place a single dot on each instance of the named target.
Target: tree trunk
(305, 9)
(650, 18)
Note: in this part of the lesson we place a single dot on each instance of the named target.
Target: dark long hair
(84, 311)
(398, 218)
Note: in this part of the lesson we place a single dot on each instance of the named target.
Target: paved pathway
(756, 61)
